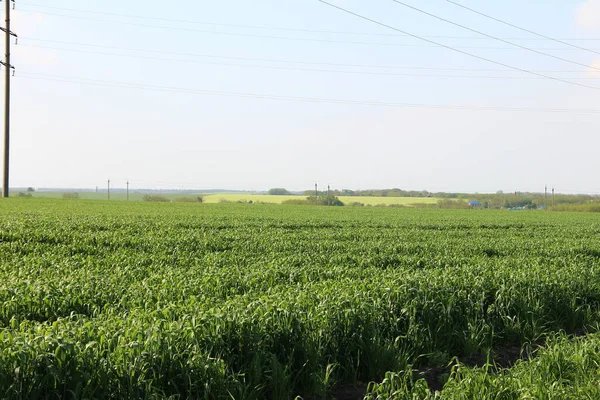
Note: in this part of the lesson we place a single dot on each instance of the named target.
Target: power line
(208, 23)
(129, 85)
(286, 38)
(458, 50)
(251, 35)
(494, 37)
(523, 29)
(286, 61)
(282, 68)
(283, 29)
(217, 33)
(236, 34)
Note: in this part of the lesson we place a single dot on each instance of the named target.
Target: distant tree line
(279, 192)
(384, 193)
(528, 200)
(498, 200)
(325, 200)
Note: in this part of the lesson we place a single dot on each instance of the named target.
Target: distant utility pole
(316, 194)
(127, 190)
(328, 189)
(108, 189)
(7, 66)
(96, 189)
(546, 196)
(552, 197)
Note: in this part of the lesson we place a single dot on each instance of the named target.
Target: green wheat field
(142, 300)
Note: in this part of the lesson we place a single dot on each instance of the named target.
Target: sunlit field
(237, 301)
(346, 199)
(226, 197)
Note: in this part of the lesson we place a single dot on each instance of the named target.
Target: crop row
(249, 302)
(565, 368)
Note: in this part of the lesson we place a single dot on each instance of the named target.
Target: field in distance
(87, 195)
(216, 198)
(234, 198)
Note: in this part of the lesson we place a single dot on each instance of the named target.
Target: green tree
(156, 198)
(325, 201)
(279, 192)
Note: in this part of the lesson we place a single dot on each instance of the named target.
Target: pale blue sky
(69, 134)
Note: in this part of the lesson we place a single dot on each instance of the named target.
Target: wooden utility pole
(127, 190)
(546, 196)
(7, 66)
(316, 193)
(552, 197)
(108, 189)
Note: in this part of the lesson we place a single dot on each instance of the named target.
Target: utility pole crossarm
(9, 67)
(11, 33)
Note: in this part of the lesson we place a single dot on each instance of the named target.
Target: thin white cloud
(588, 15)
